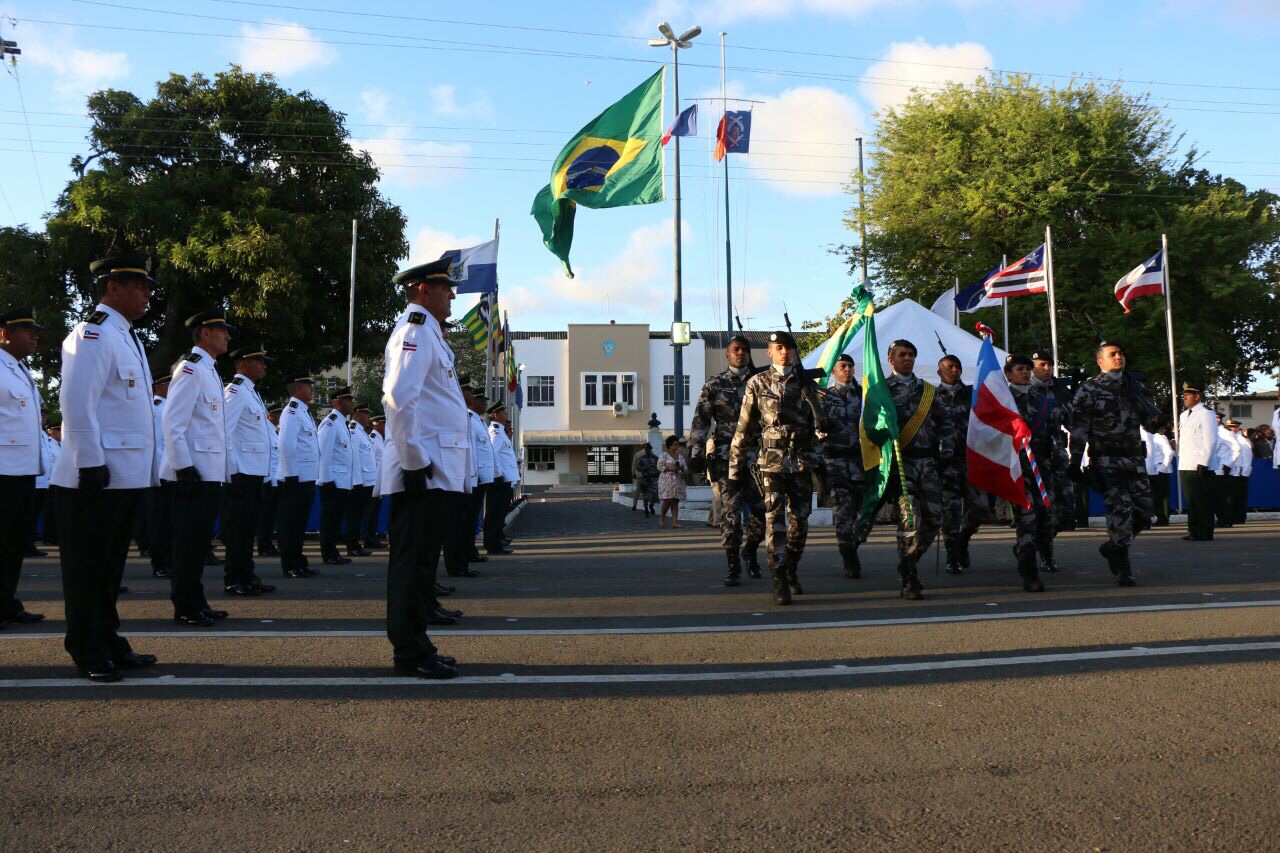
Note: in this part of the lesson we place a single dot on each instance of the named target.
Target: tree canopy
(965, 175)
(29, 275)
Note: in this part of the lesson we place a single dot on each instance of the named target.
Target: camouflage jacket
(777, 420)
(906, 399)
(645, 467)
(1106, 414)
(840, 447)
(1037, 408)
(955, 401)
(717, 413)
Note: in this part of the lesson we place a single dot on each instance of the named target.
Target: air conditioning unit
(619, 409)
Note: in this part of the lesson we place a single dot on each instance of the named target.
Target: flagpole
(490, 362)
(728, 255)
(1173, 369)
(351, 303)
(955, 306)
(488, 346)
(678, 357)
(1004, 303)
(1053, 315)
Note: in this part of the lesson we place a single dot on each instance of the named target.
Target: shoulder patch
(239, 380)
(293, 404)
(97, 318)
(157, 401)
(351, 425)
(333, 416)
(417, 319)
(192, 357)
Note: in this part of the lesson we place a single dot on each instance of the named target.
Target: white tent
(910, 320)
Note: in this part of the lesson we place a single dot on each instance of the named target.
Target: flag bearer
(1035, 525)
(964, 505)
(842, 403)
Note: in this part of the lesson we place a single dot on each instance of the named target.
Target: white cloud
(77, 72)
(403, 159)
(929, 67)
(427, 244)
(282, 48)
(377, 104)
(445, 103)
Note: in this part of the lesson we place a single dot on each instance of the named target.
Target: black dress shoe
(142, 552)
(447, 659)
(375, 545)
(1197, 538)
(501, 551)
(133, 660)
(443, 591)
(212, 559)
(159, 573)
(192, 620)
(456, 614)
(477, 557)
(296, 573)
(261, 587)
(24, 617)
(433, 667)
(310, 571)
(240, 589)
(437, 617)
(506, 541)
(358, 552)
(268, 552)
(103, 673)
(36, 552)
(336, 560)
(215, 614)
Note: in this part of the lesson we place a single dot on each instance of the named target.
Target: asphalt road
(616, 695)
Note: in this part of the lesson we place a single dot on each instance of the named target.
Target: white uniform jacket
(106, 404)
(504, 455)
(337, 456)
(157, 411)
(1197, 438)
(366, 470)
(20, 445)
(273, 471)
(195, 432)
(483, 450)
(48, 455)
(249, 433)
(1226, 452)
(378, 443)
(1275, 435)
(1244, 462)
(1164, 453)
(299, 450)
(426, 415)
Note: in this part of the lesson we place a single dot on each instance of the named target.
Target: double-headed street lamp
(679, 329)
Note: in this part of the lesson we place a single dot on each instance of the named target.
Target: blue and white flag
(479, 267)
(1146, 279)
(966, 300)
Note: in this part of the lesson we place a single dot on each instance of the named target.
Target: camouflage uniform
(1106, 414)
(646, 479)
(720, 404)
(1056, 470)
(845, 478)
(920, 468)
(964, 505)
(778, 419)
(1035, 526)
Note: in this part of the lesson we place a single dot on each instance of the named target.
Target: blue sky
(466, 111)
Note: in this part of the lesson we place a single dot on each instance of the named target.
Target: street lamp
(677, 43)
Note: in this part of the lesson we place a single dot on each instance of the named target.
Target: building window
(602, 390)
(540, 390)
(1242, 410)
(540, 458)
(669, 389)
(590, 391)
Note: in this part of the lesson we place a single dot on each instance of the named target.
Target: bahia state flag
(1146, 279)
(477, 267)
(995, 433)
(616, 160)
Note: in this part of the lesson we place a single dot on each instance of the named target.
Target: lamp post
(679, 329)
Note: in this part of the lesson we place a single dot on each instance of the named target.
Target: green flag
(614, 161)
(839, 342)
(476, 322)
(878, 429)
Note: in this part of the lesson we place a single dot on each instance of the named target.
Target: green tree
(967, 174)
(29, 275)
(245, 193)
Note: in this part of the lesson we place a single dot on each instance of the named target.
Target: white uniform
(299, 450)
(482, 449)
(20, 445)
(1226, 452)
(1244, 463)
(106, 404)
(1197, 438)
(366, 471)
(1164, 453)
(273, 469)
(249, 433)
(194, 430)
(505, 465)
(48, 455)
(157, 411)
(378, 443)
(426, 415)
(337, 455)
(1275, 436)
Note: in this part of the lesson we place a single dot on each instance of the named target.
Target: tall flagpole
(955, 306)
(1053, 316)
(351, 304)
(490, 369)
(1168, 327)
(1004, 262)
(728, 255)
(678, 356)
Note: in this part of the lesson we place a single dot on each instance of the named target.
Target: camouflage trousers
(845, 494)
(1126, 492)
(1035, 526)
(964, 505)
(1064, 495)
(788, 499)
(732, 502)
(923, 501)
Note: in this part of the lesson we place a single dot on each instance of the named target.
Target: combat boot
(852, 565)
(791, 563)
(735, 568)
(1124, 577)
(1026, 555)
(1044, 545)
(752, 562)
(781, 593)
(962, 552)
(953, 555)
(912, 589)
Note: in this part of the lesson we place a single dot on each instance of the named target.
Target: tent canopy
(910, 320)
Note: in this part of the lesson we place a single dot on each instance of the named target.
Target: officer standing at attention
(716, 416)
(1226, 457)
(921, 424)
(371, 538)
(157, 505)
(506, 473)
(842, 403)
(426, 463)
(299, 467)
(1035, 525)
(195, 461)
(107, 463)
(1062, 489)
(963, 504)
(363, 474)
(486, 469)
(22, 456)
(1240, 472)
(1197, 449)
(249, 439)
(781, 416)
(1159, 463)
(270, 501)
(337, 459)
(1106, 414)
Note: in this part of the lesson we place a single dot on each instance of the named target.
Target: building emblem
(608, 347)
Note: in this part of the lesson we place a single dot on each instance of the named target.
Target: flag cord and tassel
(1035, 472)
(902, 482)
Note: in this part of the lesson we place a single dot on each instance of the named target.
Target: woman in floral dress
(671, 470)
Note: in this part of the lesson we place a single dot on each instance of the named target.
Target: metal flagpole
(678, 358)
(862, 213)
(1053, 316)
(955, 306)
(351, 305)
(1004, 303)
(486, 309)
(1173, 370)
(728, 255)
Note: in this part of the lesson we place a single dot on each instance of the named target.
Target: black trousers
(353, 521)
(1224, 500)
(460, 538)
(295, 507)
(371, 513)
(195, 507)
(333, 504)
(243, 498)
(1160, 496)
(1197, 496)
(16, 493)
(497, 499)
(418, 531)
(159, 508)
(475, 513)
(1241, 503)
(35, 509)
(49, 532)
(268, 505)
(92, 565)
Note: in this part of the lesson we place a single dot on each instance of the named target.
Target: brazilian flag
(878, 427)
(614, 161)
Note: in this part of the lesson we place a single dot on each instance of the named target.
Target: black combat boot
(1044, 545)
(1124, 577)
(952, 545)
(735, 568)
(781, 593)
(962, 552)
(1114, 556)
(1026, 555)
(751, 561)
(912, 589)
(852, 565)
(791, 563)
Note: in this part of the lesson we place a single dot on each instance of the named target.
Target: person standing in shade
(335, 479)
(250, 436)
(963, 504)
(426, 463)
(299, 467)
(195, 461)
(270, 500)
(506, 473)
(1197, 449)
(158, 505)
(846, 480)
(22, 454)
(107, 463)
(644, 473)
(486, 468)
(1159, 464)
(372, 540)
(364, 472)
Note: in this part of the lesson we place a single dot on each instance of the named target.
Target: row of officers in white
(205, 449)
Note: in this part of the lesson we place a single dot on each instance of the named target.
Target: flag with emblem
(878, 427)
(733, 135)
(616, 160)
(476, 322)
(1146, 279)
(839, 342)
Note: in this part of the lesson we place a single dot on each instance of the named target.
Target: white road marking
(506, 678)
(689, 629)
